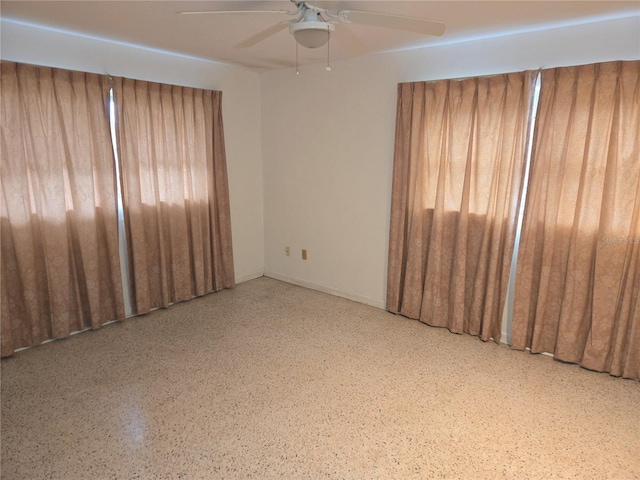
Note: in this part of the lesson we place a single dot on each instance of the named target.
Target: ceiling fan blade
(413, 24)
(199, 12)
(350, 40)
(263, 35)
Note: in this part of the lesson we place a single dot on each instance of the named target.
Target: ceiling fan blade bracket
(342, 16)
(332, 16)
(312, 8)
(299, 8)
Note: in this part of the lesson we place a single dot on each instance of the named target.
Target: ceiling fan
(312, 26)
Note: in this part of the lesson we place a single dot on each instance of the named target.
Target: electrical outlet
(304, 254)
(287, 251)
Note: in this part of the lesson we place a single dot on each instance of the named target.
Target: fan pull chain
(328, 67)
(297, 70)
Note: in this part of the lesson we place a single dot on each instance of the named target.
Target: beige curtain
(175, 190)
(578, 279)
(59, 234)
(459, 159)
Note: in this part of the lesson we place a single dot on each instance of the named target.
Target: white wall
(240, 104)
(327, 146)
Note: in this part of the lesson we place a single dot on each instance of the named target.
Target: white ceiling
(155, 24)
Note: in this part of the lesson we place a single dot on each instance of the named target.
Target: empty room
(320, 240)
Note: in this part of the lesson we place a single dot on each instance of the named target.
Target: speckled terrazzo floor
(271, 380)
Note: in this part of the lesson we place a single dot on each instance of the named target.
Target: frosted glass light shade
(311, 34)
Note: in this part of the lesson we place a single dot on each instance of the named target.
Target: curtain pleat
(578, 276)
(60, 259)
(175, 189)
(458, 168)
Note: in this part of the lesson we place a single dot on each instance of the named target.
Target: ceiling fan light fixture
(311, 34)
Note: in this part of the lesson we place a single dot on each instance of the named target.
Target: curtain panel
(578, 275)
(59, 232)
(458, 169)
(175, 191)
